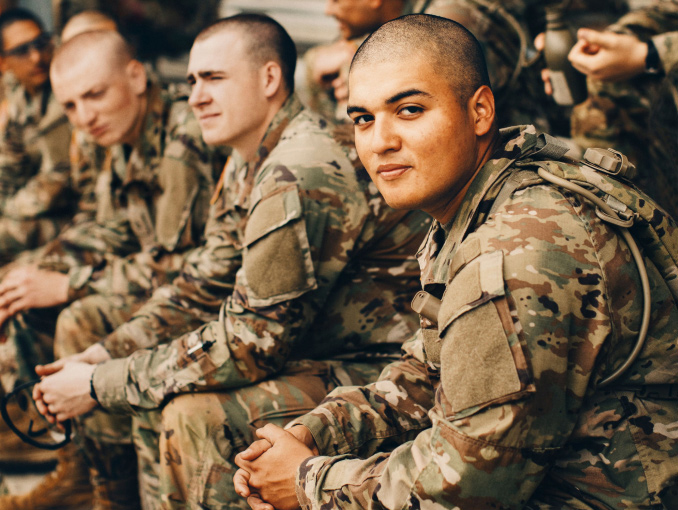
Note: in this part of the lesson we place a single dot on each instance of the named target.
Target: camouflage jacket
(34, 161)
(310, 263)
(151, 205)
(498, 407)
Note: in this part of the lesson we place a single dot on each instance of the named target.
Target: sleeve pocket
(277, 259)
(482, 360)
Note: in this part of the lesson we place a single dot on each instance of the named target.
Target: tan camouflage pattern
(618, 114)
(499, 407)
(167, 178)
(308, 261)
(185, 452)
(35, 195)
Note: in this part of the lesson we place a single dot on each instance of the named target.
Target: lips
(98, 131)
(207, 116)
(392, 171)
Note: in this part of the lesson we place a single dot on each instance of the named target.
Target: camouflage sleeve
(667, 47)
(659, 17)
(185, 178)
(362, 420)
(296, 245)
(48, 190)
(521, 326)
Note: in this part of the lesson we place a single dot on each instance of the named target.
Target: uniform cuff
(109, 382)
(328, 436)
(78, 278)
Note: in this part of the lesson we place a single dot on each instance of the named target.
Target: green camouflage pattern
(302, 259)
(499, 406)
(151, 208)
(35, 195)
(618, 114)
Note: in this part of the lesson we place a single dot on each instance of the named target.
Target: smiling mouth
(208, 116)
(391, 172)
(98, 131)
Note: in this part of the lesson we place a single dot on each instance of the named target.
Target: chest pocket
(277, 258)
(482, 360)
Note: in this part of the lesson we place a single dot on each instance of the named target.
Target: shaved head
(87, 21)
(447, 46)
(106, 45)
(265, 41)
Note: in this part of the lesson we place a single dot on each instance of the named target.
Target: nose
(34, 56)
(198, 95)
(384, 137)
(330, 9)
(84, 115)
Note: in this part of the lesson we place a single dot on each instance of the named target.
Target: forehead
(19, 32)
(83, 74)
(219, 51)
(372, 84)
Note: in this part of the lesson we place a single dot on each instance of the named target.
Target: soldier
(627, 65)
(519, 391)
(34, 135)
(314, 271)
(152, 200)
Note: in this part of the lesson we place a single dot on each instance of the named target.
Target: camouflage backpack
(603, 177)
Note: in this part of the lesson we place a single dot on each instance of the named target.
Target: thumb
(271, 433)
(43, 370)
(594, 37)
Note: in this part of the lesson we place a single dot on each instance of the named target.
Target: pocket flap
(478, 282)
(272, 212)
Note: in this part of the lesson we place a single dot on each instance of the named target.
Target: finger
(10, 297)
(255, 450)
(241, 483)
(49, 369)
(271, 433)
(589, 36)
(539, 41)
(546, 77)
(256, 503)
(21, 304)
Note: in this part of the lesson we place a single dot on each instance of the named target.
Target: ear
(375, 4)
(136, 73)
(3, 65)
(481, 106)
(272, 80)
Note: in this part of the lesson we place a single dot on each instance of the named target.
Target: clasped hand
(64, 391)
(268, 468)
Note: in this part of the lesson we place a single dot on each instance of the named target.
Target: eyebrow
(393, 99)
(203, 74)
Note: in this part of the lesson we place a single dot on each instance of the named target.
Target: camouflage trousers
(186, 450)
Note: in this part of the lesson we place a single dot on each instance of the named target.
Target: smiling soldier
(532, 383)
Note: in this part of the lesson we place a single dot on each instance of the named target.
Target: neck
(134, 134)
(247, 147)
(487, 146)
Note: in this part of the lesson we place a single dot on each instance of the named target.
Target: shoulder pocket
(277, 259)
(482, 360)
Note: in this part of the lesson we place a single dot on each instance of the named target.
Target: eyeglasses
(40, 43)
(19, 411)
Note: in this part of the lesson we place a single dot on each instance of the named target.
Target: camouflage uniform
(310, 263)
(617, 114)
(498, 406)
(151, 208)
(35, 198)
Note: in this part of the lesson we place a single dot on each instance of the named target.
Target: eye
(361, 120)
(410, 111)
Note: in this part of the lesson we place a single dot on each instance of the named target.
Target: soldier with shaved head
(152, 196)
(544, 373)
(291, 294)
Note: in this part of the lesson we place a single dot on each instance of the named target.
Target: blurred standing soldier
(627, 66)
(152, 200)
(35, 199)
(303, 261)
(531, 384)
